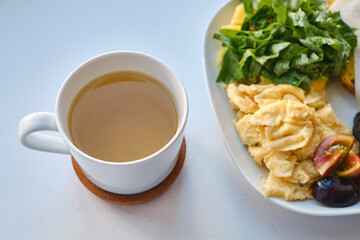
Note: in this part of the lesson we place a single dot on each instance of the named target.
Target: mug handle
(29, 135)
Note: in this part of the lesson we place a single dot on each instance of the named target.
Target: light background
(41, 42)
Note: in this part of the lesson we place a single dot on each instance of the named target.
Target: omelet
(282, 126)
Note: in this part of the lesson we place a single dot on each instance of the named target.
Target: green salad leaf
(286, 41)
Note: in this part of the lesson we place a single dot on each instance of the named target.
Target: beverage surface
(122, 116)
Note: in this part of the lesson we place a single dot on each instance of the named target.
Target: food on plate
(283, 41)
(340, 168)
(282, 125)
(351, 166)
(237, 19)
(334, 156)
(275, 60)
(331, 152)
(356, 126)
(348, 79)
(335, 191)
(349, 10)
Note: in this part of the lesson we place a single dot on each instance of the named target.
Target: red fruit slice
(331, 152)
(328, 165)
(351, 166)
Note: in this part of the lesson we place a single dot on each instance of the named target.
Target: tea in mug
(122, 116)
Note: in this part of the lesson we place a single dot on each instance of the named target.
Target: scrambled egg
(282, 126)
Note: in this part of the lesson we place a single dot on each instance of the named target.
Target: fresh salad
(286, 41)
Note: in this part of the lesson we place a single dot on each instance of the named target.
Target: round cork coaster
(133, 199)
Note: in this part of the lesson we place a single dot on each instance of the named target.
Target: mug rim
(178, 132)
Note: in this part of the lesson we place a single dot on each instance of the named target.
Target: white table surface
(41, 42)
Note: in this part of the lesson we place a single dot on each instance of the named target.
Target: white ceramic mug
(117, 177)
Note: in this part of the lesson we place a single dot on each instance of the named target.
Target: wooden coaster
(134, 198)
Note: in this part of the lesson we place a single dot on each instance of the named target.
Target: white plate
(343, 103)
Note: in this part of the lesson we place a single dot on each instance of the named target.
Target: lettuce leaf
(286, 41)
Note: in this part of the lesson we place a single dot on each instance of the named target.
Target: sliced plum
(331, 152)
(356, 126)
(335, 191)
(351, 166)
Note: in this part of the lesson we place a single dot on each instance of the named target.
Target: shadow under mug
(116, 177)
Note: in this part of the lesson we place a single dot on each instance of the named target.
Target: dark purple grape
(356, 126)
(335, 191)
